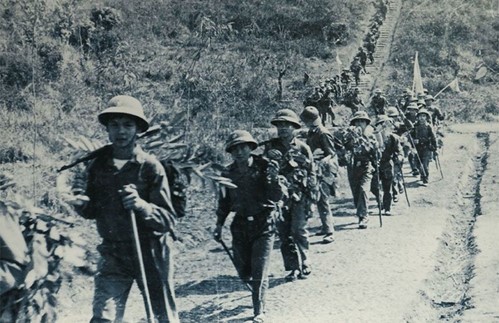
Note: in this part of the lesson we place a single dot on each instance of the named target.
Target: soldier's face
(362, 124)
(122, 131)
(240, 152)
(422, 118)
(284, 129)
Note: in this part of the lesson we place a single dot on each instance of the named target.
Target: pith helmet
(240, 137)
(127, 105)
(392, 112)
(413, 106)
(424, 111)
(309, 114)
(378, 91)
(360, 115)
(429, 98)
(382, 118)
(286, 115)
(421, 102)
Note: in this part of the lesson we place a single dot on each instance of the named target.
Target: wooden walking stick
(149, 311)
(248, 286)
(378, 196)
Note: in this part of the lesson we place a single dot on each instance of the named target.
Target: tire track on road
(445, 293)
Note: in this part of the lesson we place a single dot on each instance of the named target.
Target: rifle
(93, 154)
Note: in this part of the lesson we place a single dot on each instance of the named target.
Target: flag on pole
(417, 81)
(454, 86)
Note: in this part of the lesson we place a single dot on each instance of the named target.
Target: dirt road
(426, 263)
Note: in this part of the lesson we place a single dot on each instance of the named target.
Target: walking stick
(405, 189)
(248, 286)
(439, 166)
(378, 196)
(417, 154)
(149, 312)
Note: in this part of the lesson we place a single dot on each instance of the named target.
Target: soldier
(319, 138)
(436, 118)
(370, 45)
(404, 100)
(354, 101)
(356, 68)
(362, 55)
(402, 126)
(412, 110)
(345, 80)
(363, 148)
(378, 103)
(424, 142)
(436, 115)
(296, 165)
(391, 154)
(314, 98)
(325, 107)
(253, 227)
(124, 182)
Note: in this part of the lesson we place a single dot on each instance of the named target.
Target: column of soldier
(339, 89)
(277, 188)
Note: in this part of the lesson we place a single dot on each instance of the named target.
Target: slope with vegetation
(454, 39)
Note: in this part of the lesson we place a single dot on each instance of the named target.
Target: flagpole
(440, 92)
(448, 85)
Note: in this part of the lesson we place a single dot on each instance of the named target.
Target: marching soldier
(345, 80)
(425, 143)
(362, 55)
(319, 138)
(404, 101)
(436, 114)
(296, 165)
(363, 147)
(402, 126)
(253, 227)
(356, 68)
(391, 154)
(378, 103)
(353, 100)
(121, 183)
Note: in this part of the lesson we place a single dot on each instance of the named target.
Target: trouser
(294, 235)
(386, 179)
(425, 155)
(252, 242)
(413, 162)
(359, 177)
(119, 268)
(324, 208)
(398, 181)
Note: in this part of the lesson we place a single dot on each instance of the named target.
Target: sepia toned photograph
(281, 161)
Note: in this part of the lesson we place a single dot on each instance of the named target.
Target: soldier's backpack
(178, 183)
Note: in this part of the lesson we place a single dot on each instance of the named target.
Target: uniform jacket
(254, 192)
(424, 137)
(105, 206)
